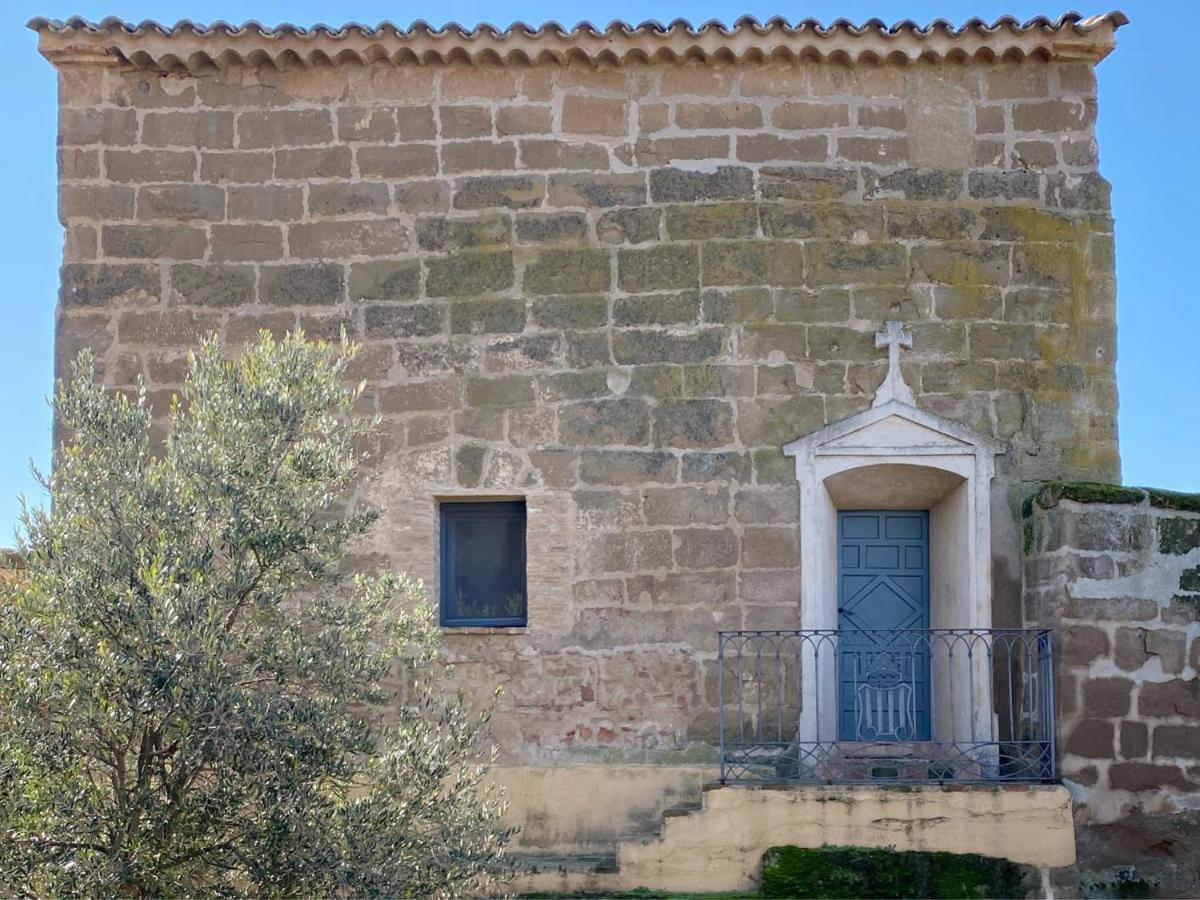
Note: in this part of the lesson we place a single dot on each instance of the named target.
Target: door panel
(883, 612)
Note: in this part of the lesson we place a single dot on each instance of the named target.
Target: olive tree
(193, 698)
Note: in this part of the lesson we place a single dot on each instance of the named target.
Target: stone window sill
(484, 629)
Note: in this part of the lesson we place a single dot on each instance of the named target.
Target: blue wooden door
(883, 614)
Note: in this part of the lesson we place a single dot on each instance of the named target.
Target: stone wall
(615, 291)
(1116, 573)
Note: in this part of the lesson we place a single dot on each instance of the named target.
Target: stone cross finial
(894, 386)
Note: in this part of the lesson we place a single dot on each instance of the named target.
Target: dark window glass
(483, 563)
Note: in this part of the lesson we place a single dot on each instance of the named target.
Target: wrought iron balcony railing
(909, 706)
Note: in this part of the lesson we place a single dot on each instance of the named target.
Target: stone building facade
(613, 274)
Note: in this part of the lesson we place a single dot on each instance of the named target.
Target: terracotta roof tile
(191, 45)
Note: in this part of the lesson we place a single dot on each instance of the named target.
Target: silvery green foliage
(191, 700)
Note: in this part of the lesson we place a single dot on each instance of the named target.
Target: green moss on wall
(1174, 500)
(1087, 492)
(1050, 492)
(850, 872)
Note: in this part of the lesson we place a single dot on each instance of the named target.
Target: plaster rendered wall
(1119, 582)
(720, 846)
(615, 291)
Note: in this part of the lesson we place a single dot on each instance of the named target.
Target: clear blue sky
(1149, 134)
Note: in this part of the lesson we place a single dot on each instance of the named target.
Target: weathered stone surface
(409, 320)
(544, 228)
(425, 395)
(347, 200)
(1178, 535)
(165, 328)
(686, 506)
(115, 127)
(506, 390)
(466, 274)
(752, 262)
(769, 148)
(597, 190)
(399, 280)
(1178, 697)
(683, 589)
(196, 285)
(153, 241)
(712, 220)
(1092, 738)
(440, 233)
(1135, 740)
(1080, 644)
(807, 182)
(492, 316)
(720, 467)
(340, 239)
(502, 191)
(845, 263)
(1189, 579)
(594, 115)
(1107, 697)
(690, 424)
(301, 285)
(313, 162)
(250, 242)
(1181, 741)
(682, 308)
(108, 285)
(364, 123)
(659, 268)
(265, 203)
(919, 184)
(284, 128)
(95, 201)
(823, 220)
(402, 161)
(776, 422)
(705, 548)
(570, 312)
(148, 166)
(628, 226)
(770, 548)
(635, 346)
(574, 271)
(605, 422)
(686, 186)
(1135, 776)
(623, 467)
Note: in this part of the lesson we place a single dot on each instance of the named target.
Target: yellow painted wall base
(719, 847)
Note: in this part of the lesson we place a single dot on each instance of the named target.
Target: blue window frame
(483, 564)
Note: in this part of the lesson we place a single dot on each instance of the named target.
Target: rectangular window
(483, 563)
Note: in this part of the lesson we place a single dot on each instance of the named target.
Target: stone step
(568, 863)
(683, 809)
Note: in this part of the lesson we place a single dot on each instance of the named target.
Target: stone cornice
(189, 46)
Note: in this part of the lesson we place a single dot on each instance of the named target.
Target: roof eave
(189, 46)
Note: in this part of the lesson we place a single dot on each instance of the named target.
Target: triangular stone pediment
(893, 427)
(895, 431)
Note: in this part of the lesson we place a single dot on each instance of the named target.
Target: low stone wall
(1116, 573)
